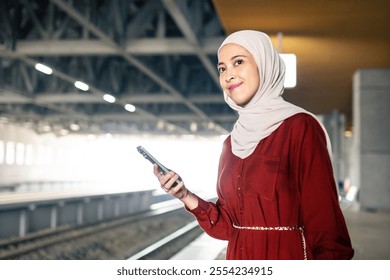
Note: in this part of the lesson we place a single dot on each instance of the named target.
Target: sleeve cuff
(202, 208)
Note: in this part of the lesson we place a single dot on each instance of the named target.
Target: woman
(277, 197)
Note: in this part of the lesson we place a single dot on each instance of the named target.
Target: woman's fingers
(166, 180)
(156, 171)
(176, 188)
(171, 180)
(168, 183)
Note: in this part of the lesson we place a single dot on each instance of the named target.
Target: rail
(17, 247)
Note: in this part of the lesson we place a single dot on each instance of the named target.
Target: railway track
(116, 239)
(170, 245)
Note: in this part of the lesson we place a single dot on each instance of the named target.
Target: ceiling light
(160, 125)
(211, 125)
(130, 108)
(290, 60)
(74, 127)
(43, 68)
(81, 85)
(348, 133)
(193, 127)
(171, 127)
(109, 98)
(46, 128)
(63, 131)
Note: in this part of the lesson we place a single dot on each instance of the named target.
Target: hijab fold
(267, 109)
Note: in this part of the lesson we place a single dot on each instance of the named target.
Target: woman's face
(238, 73)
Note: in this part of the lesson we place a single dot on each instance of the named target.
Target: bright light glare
(43, 68)
(109, 98)
(130, 108)
(348, 133)
(290, 60)
(81, 85)
(114, 164)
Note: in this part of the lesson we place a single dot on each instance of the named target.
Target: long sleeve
(213, 218)
(320, 213)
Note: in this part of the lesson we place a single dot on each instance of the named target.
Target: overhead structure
(150, 65)
(155, 57)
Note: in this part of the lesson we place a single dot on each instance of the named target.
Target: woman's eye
(238, 62)
(221, 69)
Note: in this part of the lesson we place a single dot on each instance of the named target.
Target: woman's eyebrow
(232, 58)
(239, 55)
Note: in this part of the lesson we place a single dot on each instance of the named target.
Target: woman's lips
(232, 87)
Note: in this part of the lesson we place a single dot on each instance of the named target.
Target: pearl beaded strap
(281, 228)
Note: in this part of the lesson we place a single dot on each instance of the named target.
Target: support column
(53, 217)
(22, 223)
(80, 213)
(371, 132)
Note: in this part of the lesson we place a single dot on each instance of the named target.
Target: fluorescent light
(211, 125)
(43, 68)
(348, 133)
(81, 85)
(109, 98)
(193, 127)
(290, 60)
(46, 128)
(74, 127)
(130, 108)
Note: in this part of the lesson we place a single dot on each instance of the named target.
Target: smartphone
(160, 166)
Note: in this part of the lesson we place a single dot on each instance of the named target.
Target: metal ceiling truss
(156, 55)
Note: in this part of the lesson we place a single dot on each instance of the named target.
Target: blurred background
(83, 83)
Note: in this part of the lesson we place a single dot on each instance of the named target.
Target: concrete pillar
(22, 223)
(116, 207)
(100, 210)
(371, 145)
(80, 213)
(53, 217)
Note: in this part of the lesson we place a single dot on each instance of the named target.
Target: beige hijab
(266, 111)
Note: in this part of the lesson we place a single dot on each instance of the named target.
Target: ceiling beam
(85, 98)
(95, 47)
(132, 60)
(181, 19)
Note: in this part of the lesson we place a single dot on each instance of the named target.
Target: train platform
(369, 231)
(202, 248)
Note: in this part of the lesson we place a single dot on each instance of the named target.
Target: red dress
(287, 181)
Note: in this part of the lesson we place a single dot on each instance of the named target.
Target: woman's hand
(179, 191)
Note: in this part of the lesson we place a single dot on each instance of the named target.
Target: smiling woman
(277, 197)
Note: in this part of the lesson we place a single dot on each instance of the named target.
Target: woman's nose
(229, 77)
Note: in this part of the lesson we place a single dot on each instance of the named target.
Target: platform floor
(202, 248)
(369, 231)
